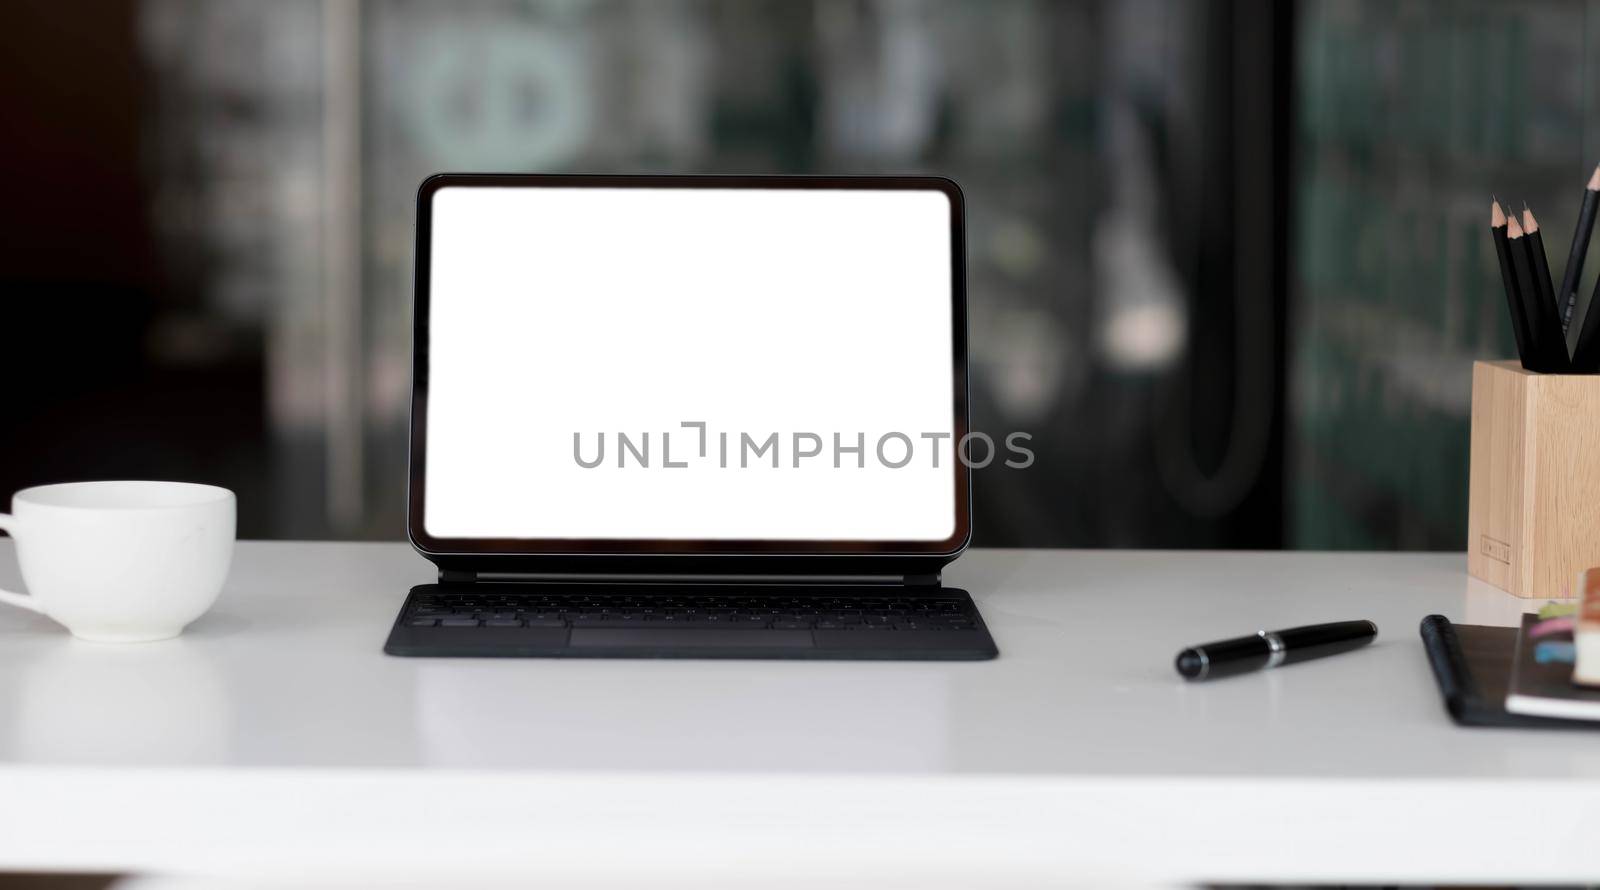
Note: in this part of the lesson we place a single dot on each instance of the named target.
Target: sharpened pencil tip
(1497, 217)
(1529, 224)
(1594, 179)
(1513, 230)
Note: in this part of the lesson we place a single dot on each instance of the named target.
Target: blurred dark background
(1228, 260)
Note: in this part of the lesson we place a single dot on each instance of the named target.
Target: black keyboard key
(458, 622)
(595, 619)
(545, 622)
(501, 622)
(621, 624)
(421, 622)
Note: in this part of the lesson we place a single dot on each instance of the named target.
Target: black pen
(1268, 649)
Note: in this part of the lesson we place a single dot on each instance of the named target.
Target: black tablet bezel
(636, 555)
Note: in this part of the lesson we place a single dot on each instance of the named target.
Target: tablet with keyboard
(691, 416)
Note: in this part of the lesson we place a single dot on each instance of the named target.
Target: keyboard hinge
(457, 576)
(931, 579)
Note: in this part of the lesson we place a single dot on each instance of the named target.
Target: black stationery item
(1586, 353)
(1472, 666)
(1502, 250)
(1568, 295)
(1545, 343)
(1549, 313)
(1269, 649)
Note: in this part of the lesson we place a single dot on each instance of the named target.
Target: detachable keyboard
(689, 621)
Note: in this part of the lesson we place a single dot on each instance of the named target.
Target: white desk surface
(275, 736)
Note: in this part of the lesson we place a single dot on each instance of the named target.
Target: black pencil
(1586, 352)
(1508, 277)
(1527, 294)
(1547, 316)
(1568, 295)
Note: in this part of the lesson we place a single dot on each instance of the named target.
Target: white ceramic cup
(121, 562)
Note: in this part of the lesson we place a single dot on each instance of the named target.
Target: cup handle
(8, 524)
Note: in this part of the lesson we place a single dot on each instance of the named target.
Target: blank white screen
(588, 311)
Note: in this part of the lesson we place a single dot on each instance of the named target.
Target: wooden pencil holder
(1533, 514)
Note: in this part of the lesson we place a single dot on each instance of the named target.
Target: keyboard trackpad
(670, 640)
